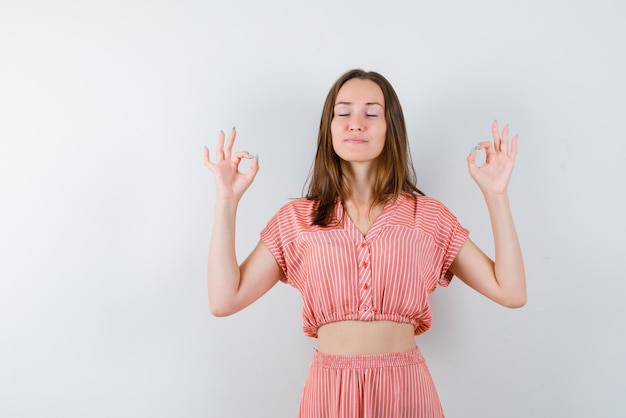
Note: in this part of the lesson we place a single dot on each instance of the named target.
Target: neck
(361, 178)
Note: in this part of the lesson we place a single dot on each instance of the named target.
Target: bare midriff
(365, 337)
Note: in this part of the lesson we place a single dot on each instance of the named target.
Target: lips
(355, 140)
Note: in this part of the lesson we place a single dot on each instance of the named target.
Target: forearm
(223, 274)
(509, 265)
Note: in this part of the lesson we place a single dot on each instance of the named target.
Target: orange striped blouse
(385, 275)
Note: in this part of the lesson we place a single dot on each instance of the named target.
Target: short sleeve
(273, 236)
(450, 236)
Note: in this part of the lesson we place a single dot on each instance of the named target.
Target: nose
(355, 124)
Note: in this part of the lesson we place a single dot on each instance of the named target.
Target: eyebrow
(350, 103)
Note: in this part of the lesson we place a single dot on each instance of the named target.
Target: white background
(106, 208)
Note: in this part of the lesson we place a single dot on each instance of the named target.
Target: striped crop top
(385, 275)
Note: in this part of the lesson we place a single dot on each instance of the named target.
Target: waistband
(367, 361)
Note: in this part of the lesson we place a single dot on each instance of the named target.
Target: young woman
(365, 248)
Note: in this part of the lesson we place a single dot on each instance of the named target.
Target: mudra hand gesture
(494, 174)
(229, 181)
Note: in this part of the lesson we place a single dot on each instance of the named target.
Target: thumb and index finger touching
(224, 152)
(500, 144)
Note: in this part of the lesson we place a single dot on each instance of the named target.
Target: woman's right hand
(229, 181)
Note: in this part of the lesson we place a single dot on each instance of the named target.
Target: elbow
(219, 313)
(515, 302)
(220, 310)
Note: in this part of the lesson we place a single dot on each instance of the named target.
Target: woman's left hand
(494, 174)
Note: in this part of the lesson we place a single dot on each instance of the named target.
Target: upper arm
(473, 267)
(258, 273)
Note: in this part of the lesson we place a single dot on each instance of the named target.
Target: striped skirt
(394, 385)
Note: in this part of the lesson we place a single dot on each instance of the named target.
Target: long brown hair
(395, 173)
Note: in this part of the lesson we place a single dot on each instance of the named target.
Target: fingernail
(250, 155)
(234, 128)
(477, 147)
(256, 157)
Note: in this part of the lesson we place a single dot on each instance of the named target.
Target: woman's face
(358, 127)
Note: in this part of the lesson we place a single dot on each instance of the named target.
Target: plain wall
(106, 207)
